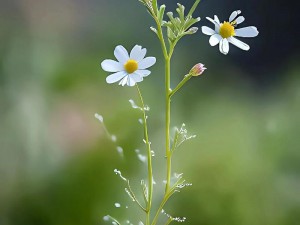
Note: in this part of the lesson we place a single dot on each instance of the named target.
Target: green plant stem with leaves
(173, 37)
(177, 28)
(169, 30)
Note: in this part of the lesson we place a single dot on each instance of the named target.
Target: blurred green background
(56, 162)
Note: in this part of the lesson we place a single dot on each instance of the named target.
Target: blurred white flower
(130, 68)
(225, 33)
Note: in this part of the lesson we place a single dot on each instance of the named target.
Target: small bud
(192, 30)
(197, 70)
(169, 14)
(153, 29)
(164, 23)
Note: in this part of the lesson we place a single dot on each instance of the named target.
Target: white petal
(207, 30)
(224, 46)
(240, 19)
(215, 39)
(138, 53)
(124, 81)
(147, 62)
(143, 73)
(136, 77)
(234, 14)
(239, 43)
(246, 32)
(109, 65)
(217, 25)
(216, 19)
(130, 81)
(121, 54)
(115, 77)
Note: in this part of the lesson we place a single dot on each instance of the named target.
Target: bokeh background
(56, 161)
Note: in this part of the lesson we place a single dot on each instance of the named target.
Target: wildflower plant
(132, 67)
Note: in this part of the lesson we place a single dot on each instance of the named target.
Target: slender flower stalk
(149, 156)
(168, 120)
(161, 38)
(185, 79)
(168, 92)
(169, 221)
(168, 95)
(192, 10)
(197, 70)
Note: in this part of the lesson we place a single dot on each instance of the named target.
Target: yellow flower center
(227, 30)
(131, 65)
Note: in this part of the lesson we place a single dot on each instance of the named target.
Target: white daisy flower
(225, 33)
(130, 68)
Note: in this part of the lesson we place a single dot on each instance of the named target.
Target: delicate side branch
(131, 193)
(185, 79)
(150, 176)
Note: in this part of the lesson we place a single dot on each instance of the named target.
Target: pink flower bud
(197, 70)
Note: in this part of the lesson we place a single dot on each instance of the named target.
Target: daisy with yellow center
(130, 68)
(226, 32)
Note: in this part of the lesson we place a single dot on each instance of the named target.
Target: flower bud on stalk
(197, 70)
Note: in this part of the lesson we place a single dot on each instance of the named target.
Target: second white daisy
(130, 68)
(225, 33)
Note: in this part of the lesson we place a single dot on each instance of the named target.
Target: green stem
(154, 5)
(172, 47)
(162, 204)
(161, 38)
(168, 120)
(169, 221)
(192, 10)
(185, 79)
(164, 201)
(150, 176)
(133, 196)
(174, 144)
(113, 219)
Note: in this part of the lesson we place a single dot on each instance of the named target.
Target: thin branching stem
(161, 37)
(192, 10)
(150, 176)
(113, 219)
(164, 201)
(133, 196)
(144, 192)
(167, 53)
(174, 145)
(185, 79)
(169, 221)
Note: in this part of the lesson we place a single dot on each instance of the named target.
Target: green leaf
(161, 13)
(175, 22)
(154, 6)
(192, 30)
(180, 11)
(171, 34)
(190, 21)
(153, 29)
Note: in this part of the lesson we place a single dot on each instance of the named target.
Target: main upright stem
(168, 120)
(168, 93)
